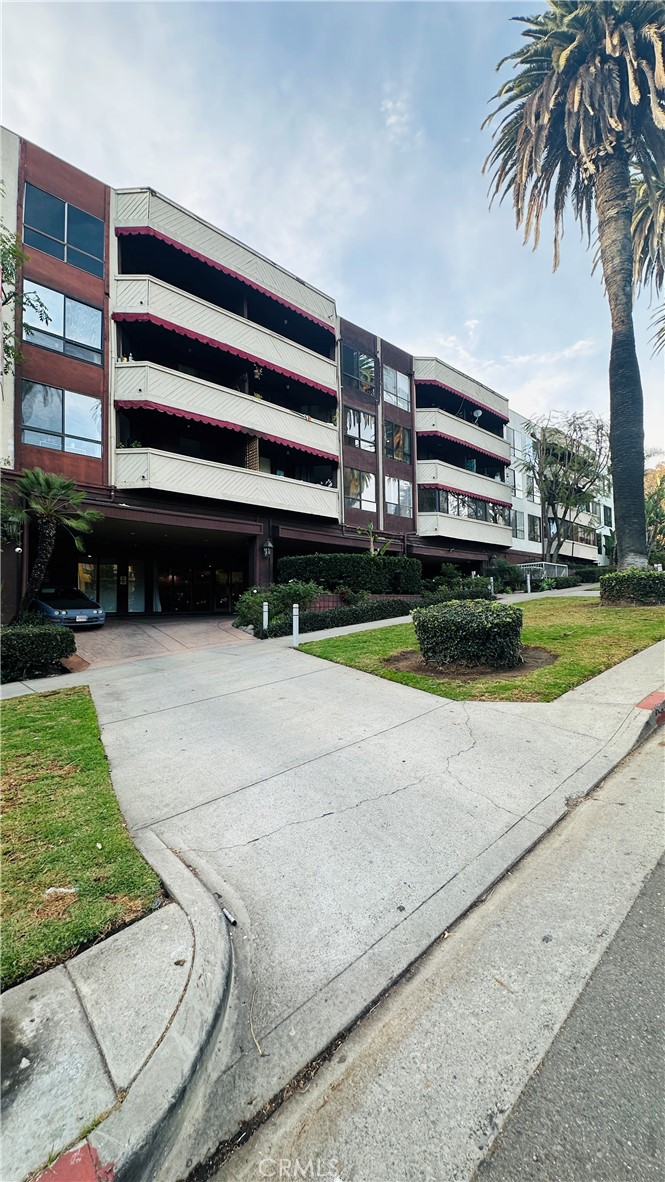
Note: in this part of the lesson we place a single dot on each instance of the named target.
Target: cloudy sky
(342, 140)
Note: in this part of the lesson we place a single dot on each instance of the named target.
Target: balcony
(431, 369)
(435, 472)
(142, 298)
(463, 529)
(580, 551)
(431, 420)
(156, 215)
(137, 384)
(149, 468)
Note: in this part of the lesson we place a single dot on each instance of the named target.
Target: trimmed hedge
(590, 574)
(378, 573)
(635, 586)
(560, 583)
(33, 650)
(339, 617)
(470, 634)
(280, 598)
(466, 589)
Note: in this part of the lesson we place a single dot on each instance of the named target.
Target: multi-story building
(216, 409)
(588, 536)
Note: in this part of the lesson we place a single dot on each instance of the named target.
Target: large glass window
(358, 370)
(399, 497)
(359, 429)
(396, 388)
(359, 490)
(534, 528)
(73, 328)
(607, 516)
(61, 419)
(63, 231)
(517, 522)
(397, 442)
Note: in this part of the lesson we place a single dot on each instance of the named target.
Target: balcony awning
(452, 390)
(144, 404)
(195, 254)
(148, 318)
(463, 443)
(463, 492)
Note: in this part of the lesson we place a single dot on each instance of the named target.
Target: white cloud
(399, 124)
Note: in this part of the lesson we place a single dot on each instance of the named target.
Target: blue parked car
(68, 605)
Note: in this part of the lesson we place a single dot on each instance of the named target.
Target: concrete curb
(133, 1141)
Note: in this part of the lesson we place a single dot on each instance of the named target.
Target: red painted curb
(80, 1164)
(652, 701)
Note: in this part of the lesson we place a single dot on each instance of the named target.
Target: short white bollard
(296, 625)
(491, 586)
(528, 582)
(265, 615)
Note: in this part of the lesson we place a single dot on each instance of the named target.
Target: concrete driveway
(345, 821)
(131, 640)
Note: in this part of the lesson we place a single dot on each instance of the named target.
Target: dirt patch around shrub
(412, 661)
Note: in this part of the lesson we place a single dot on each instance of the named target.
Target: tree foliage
(568, 462)
(52, 502)
(12, 258)
(654, 498)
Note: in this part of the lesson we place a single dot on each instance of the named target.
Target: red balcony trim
(452, 390)
(143, 404)
(220, 267)
(463, 443)
(148, 318)
(463, 492)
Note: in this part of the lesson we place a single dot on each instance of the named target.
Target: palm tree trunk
(614, 206)
(45, 546)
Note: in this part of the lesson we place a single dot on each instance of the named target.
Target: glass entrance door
(229, 585)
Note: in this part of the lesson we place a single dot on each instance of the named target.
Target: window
(359, 429)
(534, 528)
(517, 522)
(359, 490)
(63, 231)
(73, 328)
(607, 516)
(515, 440)
(396, 388)
(510, 479)
(397, 442)
(498, 514)
(61, 419)
(399, 497)
(428, 501)
(530, 489)
(358, 370)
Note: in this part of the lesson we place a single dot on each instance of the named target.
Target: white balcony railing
(141, 382)
(464, 529)
(150, 468)
(447, 475)
(433, 370)
(433, 419)
(144, 296)
(144, 208)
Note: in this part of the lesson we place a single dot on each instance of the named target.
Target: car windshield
(64, 597)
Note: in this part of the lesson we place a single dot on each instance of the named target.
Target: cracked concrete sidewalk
(345, 821)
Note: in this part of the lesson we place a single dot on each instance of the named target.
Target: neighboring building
(218, 412)
(587, 542)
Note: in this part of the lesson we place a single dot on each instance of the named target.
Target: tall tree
(584, 103)
(649, 242)
(567, 462)
(52, 502)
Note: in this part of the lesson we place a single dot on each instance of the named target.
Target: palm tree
(649, 242)
(586, 102)
(50, 501)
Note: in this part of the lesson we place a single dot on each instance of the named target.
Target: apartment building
(589, 536)
(218, 411)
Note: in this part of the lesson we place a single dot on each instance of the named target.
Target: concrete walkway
(344, 820)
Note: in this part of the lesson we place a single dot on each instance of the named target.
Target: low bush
(33, 649)
(636, 587)
(590, 574)
(470, 634)
(466, 589)
(280, 598)
(448, 575)
(380, 574)
(339, 617)
(560, 583)
(507, 576)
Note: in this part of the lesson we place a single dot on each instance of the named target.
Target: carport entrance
(155, 587)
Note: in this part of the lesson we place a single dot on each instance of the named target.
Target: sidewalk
(105, 1044)
(346, 821)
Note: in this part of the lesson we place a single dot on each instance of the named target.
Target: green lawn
(585, 637)
(61, 827)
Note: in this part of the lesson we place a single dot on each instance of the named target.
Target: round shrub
(470, 633)
(634, 587)
(33, 650)
(280, 598)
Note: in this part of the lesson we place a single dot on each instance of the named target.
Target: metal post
(296, 625)
(265, 615)
(528, 582)
(491, 585)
